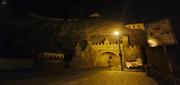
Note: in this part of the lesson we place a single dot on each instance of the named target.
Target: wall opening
(107, 59)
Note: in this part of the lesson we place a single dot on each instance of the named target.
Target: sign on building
(160, 33)
(138, 26)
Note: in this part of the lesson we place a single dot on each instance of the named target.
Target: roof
(95, 14)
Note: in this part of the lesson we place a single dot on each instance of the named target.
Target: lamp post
(116, 33)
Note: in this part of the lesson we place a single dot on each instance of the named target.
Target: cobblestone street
(112, 77)
(85, 77)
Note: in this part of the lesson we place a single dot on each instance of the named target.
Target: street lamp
(116, 33)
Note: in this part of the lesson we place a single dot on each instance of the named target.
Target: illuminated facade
(102, 49)
(106, 54)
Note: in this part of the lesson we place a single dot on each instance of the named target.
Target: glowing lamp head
(116, 33)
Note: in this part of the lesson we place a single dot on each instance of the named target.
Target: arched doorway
(107, 59)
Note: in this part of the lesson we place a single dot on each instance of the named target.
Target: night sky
(135, 10)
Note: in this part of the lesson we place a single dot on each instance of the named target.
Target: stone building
(103, 49)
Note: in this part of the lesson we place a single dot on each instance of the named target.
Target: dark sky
(81, 8)
(67, 8)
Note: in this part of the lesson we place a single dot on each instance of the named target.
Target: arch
(107, 59)
(114, 52)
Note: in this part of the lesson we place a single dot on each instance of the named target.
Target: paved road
(85, 77)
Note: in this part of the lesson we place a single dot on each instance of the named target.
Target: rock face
(26, 36)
